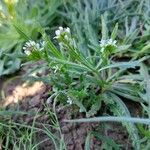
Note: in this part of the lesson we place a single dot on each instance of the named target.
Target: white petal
(43, 43)
(57, 32)
(33, 43)
(67, 29)
(27, 52)
(61, 29)
(115, 42)
(110, 40)
(56, 37)
(24, 48)
(28, 44)
(69, 101)
(37, 45)
(102, 42)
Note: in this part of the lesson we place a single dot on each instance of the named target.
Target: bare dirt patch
(33, 97)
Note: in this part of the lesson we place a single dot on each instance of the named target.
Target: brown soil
(32, 98)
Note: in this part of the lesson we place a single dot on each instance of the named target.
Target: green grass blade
(114, 32)
(111, 119)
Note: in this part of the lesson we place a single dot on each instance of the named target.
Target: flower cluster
(106, 43)
(63, 35)
(62, 32)
(32, 45)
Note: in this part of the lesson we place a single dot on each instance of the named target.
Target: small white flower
(29, 46)
(27, 52)
(57, 32)
(55, 68)
(105, 43)
(61, 29)
(102, 43)
(41, 45)
(69, 100)
(109, 41)
(67, 29)
(37, 46)
(63, 35)
(62, 32)
(114, 42)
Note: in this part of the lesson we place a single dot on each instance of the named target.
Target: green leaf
(94, 109)
(13, 112)
(50, 46)
(127, 90)
(107, 140)
(111, 119)
(104, 28)
(74, 65)
(122, 48)
(88, 141)
(21, 32)
(80, 105)
(120, 109)
(35, 55)
(114, 32)
(122, 65)
(145, 132)
(1, 67)
(144, 50)
(125, 65)
(145, 74)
